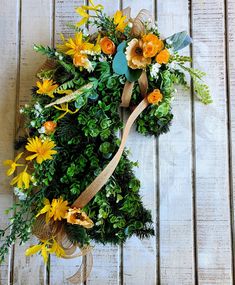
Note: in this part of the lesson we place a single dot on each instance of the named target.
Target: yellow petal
(82, 12)
(33, 249)
(44, 254)
(81, 22)
(19, 156)
(45, 209)
(8, 162)
(31, 157)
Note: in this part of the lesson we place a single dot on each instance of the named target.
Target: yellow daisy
(12, 164)
(23, 179)
(43, 149)
(46, 87)
(59, 209)
(56, 210)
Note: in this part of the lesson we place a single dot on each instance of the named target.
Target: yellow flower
(120, 21)
(22, 179)
(78, 50)
(65, 108)
(57, 209)
(78, 217)
(13, 164)
(45, 248)
(85, 16)
(43, 149)
(57, 249)
(46, 209)
(134, 55)
(46, 87)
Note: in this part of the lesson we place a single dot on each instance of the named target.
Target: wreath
(74, 181)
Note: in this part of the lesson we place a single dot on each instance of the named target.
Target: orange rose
(107, 46)
(151, 45)
(155, 97)
(163, 57)
(49, 127)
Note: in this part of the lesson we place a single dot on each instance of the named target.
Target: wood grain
(212, 185)
(175, 167)
(8, 76)
(230, 68)
(35, 28)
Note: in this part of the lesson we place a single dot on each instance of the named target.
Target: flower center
(139, 51)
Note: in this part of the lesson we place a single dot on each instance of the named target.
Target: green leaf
(180, 40)
(133, 74)
(81, 101)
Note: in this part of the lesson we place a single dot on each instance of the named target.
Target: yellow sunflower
(43, 149)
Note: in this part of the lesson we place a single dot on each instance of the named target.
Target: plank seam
(229, 135)
(193, 165)
(158, 258)
(17, 85)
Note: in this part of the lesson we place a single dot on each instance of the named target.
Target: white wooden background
(187, 175)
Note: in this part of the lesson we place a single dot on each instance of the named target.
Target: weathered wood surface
(187, 175)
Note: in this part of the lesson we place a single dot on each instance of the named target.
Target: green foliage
(201, 89)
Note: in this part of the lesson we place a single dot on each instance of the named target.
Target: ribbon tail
(126, 94)
(84, 270)
(103, 177)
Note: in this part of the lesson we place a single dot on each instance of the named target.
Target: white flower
(41, 130)
(60, 57)
(21, 110)
(21, 195)
(102, 58)
(171, 65)
(56, 53)
(154, 70)
(38, 107)
(130, 25)
(33, 123)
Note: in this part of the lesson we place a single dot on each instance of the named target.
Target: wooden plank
(35, 28)
(175, 167)
(139, 256)
(230, 42)
(212, 185)
(8, 77)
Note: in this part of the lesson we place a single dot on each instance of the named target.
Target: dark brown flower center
(139, 51)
